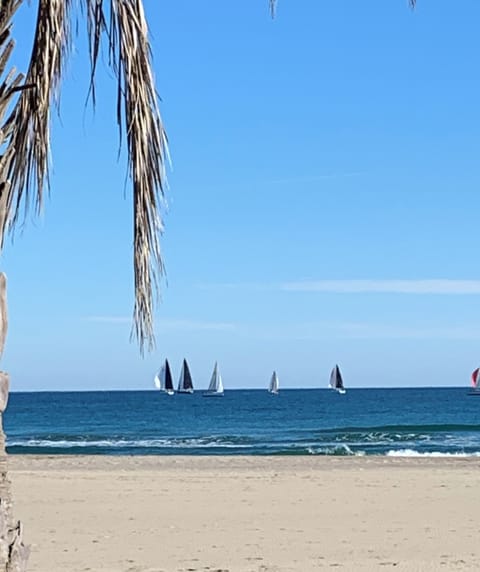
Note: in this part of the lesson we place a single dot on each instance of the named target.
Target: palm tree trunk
(13, 553)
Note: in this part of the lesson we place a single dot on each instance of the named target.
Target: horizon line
(204, 389)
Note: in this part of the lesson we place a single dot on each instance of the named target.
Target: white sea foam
(337, 450)
(125, 443)
(412, 453)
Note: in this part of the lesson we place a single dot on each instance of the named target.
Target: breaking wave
(413, 453)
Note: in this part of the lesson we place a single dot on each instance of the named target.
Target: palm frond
(30, 139)
(10, 83)
(95, 26)
(273, 5)
(138, 116)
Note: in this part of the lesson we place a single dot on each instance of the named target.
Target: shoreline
(20, 461)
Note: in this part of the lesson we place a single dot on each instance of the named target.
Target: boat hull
(213, 394)
(337, 390)
(167, 391)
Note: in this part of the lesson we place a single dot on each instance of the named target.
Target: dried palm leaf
(138, 116)
(10, 84)
(27, 153)
(28, 169)
(273, 5)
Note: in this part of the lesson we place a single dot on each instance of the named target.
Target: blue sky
(323, 203)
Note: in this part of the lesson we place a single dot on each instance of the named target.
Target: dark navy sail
(163, 379)
(336, 380)
(185, 384)
(168, 377)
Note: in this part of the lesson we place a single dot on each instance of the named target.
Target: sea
(391, 422)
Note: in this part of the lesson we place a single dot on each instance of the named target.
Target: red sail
(475, 377)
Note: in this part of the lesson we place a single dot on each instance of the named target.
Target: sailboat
(185, 384)
(215, 389)
(336, 381)
(475, 382)
(163, 380)
(274, 385)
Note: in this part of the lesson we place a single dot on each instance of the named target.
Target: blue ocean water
(408, 422)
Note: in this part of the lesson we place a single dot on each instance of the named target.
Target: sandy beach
(247, 514)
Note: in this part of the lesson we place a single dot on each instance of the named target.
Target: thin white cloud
(236, 286)
(440, 286)
(109, 319)
(192, 325)
(427, 286)
(311, 331)
(395, 331)
(318, 331)
(314, 178)
(168, 324)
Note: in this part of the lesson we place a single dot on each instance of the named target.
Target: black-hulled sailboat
(336, 380)
(163, 380)
(185, 384)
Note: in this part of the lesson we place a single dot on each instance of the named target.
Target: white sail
(159, 379)
(216, 383)
(274, 383)
(333, 377)
(214, 379)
